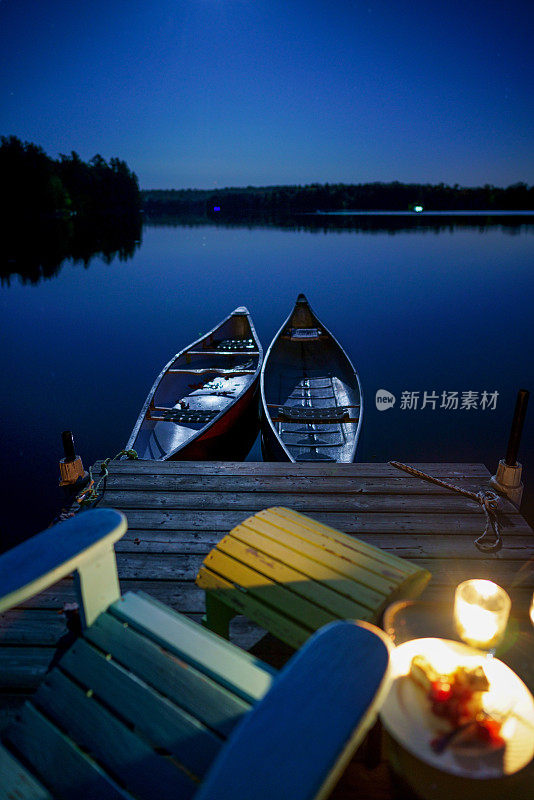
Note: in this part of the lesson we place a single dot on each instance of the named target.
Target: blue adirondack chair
(148, 704)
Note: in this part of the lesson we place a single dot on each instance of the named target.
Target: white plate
(408, 717)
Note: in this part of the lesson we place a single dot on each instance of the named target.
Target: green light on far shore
(418, 209)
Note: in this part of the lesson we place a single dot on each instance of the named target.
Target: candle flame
(481, 611)
(485, 589)
(478, 625)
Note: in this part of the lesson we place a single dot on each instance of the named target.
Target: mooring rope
(491, 540)
(92, 492)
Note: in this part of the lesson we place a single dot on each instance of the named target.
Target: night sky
(205, 93)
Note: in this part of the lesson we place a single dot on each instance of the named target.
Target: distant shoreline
(490, 212)
(341, 199)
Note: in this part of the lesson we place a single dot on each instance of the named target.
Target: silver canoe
(203, 403)
(310, 393)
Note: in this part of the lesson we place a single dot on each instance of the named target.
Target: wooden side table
(292, 575)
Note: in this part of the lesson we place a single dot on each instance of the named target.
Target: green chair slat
(196, 693)
(127, 757)
(238, 671)
(16, 782)
(70, 770)
(164, 724)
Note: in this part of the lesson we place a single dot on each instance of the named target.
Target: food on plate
(457, 697)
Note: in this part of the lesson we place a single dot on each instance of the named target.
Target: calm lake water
(439, 307)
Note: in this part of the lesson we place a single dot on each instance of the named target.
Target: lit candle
(481, 610)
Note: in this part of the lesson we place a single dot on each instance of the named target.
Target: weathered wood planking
(177, 511)
(256, 501)
(422, 546)
(364, 470)
(281, 483)
(224, 519)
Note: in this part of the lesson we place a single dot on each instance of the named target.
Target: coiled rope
(491, 540)
(91, 494)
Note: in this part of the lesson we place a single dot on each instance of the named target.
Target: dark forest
(278, 201)
(36, 186)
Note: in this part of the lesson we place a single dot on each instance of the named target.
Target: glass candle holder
(481, 610)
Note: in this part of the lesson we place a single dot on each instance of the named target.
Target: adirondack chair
(291, 575)
(148, 704)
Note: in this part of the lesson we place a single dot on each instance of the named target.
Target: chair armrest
(297, 740)
(83, 543)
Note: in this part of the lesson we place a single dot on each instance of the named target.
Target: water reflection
(36, 252)
(369, 222)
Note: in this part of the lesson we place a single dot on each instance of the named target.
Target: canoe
(310, 393)
(203, 404)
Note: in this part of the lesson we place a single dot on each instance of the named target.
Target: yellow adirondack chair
(148, 704)
(292, 575)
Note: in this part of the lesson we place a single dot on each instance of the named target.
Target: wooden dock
(177, 511)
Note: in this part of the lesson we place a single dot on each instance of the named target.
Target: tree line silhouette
(34, 185)
(65, 208)
(278, 201)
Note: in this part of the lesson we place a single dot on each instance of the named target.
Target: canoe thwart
(182, 415)
(328, 414)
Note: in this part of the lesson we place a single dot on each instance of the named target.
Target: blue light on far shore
(216, 208)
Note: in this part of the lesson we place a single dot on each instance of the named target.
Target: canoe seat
(328, 414)
(236, 344)
(291, 575)
(181, 415)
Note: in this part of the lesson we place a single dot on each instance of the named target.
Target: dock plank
(23, 668)
(515, 547)
(371, 469)
(448, 503)
(225, 519)
(32, 626)
(170, 482)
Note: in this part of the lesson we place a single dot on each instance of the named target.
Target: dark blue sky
(204, 93)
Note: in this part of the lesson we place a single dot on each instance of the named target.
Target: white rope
(491, 540)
